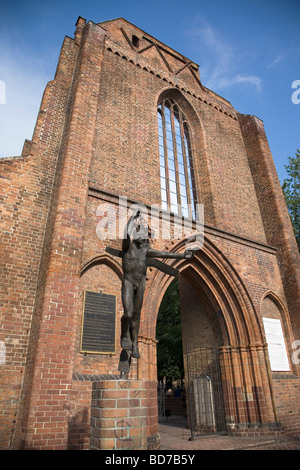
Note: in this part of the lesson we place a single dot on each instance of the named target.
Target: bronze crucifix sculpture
(137, 256)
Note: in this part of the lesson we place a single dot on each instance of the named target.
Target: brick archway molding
(246, 382)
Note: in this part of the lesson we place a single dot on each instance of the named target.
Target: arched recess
(101, 274)
(103, 259)
(273, 307)
(280, 308)
(198, 142)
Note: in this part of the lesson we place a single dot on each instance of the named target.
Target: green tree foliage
(291, 191)
(168, 334)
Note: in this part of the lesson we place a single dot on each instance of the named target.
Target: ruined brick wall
(96, 139)
(274, 212)
(27, 184)
(286, 390)
(128, 137)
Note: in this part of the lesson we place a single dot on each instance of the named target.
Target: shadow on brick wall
(79, 431)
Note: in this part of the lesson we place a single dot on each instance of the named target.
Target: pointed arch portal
(235, 329)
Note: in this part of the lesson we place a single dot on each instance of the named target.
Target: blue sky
(248, 52)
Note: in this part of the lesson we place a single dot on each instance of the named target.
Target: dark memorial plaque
(99, 323)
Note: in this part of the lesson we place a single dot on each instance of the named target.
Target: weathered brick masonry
(95, 139)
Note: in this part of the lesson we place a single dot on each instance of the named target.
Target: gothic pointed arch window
(177, 178)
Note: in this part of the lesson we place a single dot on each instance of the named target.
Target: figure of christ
(136, 252)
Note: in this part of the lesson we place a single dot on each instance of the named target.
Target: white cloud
(279, 58)
(235, 79)
(284, 55)
(222, 60)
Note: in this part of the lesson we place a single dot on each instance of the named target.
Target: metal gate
(205, 404)
(161, 393)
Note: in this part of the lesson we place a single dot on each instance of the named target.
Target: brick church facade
(122, 115)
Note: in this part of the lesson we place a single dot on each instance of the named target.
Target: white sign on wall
(2, 352)
(276, 345)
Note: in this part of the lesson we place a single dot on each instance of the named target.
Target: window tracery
(178, 191)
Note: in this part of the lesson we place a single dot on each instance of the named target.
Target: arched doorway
(170, 369)
(201, 338)
(188, 368)
(218, 315)
(170, 364)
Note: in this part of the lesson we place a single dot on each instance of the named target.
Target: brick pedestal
(118, 415)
